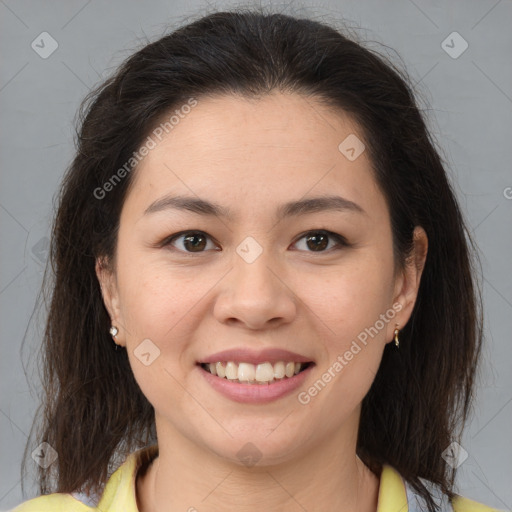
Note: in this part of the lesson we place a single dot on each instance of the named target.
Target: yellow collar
(120, 490)
(392, 494)
(119, 493)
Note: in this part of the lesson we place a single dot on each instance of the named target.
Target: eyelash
(341, 241)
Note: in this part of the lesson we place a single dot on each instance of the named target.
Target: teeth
(245, 372)
(264, 372)
(279, 370)
(249, 373)
(221, 370)
(231, 371)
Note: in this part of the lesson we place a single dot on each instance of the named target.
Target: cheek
(155, 296)
(351, 297)
(164, 308)
(353, 337)
(349, 307)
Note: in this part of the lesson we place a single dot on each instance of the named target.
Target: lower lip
(256, 393)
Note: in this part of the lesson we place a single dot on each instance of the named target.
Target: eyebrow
(292, 208)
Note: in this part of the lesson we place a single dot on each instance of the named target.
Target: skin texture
(251, 156)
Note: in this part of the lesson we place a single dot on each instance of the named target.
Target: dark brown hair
(94, 413)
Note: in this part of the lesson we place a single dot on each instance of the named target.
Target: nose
(255, 295)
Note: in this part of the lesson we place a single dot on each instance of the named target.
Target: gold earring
(397, 343)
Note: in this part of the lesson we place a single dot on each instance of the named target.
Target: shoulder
(118, 494)
(457, 504)
(462, 504)
(396, 493)
(53, 503)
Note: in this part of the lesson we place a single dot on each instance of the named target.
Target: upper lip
(271, 355)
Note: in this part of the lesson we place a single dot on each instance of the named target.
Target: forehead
(236, 149)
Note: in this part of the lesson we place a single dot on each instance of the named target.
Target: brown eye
(192, 241)
(197, 241)
(317, 241)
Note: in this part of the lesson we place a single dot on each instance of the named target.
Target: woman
(263, 291)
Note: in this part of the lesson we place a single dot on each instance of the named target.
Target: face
(317, 282)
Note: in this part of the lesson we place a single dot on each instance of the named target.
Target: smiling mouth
(247, 373)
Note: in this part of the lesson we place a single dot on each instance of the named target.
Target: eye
(318, 240)
(193, 241)
(197, 241)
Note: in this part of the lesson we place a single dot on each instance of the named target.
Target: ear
(408, 282)
(109, 291)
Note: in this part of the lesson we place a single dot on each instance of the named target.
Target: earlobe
(109, 293)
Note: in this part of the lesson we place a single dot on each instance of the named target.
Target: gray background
(469, 100)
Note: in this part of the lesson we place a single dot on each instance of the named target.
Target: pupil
(196, 245)
(318, 243)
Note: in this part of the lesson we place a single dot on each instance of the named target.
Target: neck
(328, 477)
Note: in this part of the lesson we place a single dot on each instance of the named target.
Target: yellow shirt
(395, 495)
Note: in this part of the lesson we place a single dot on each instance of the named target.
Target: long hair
(421, 395)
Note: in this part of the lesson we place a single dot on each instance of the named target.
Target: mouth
(259, 374)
